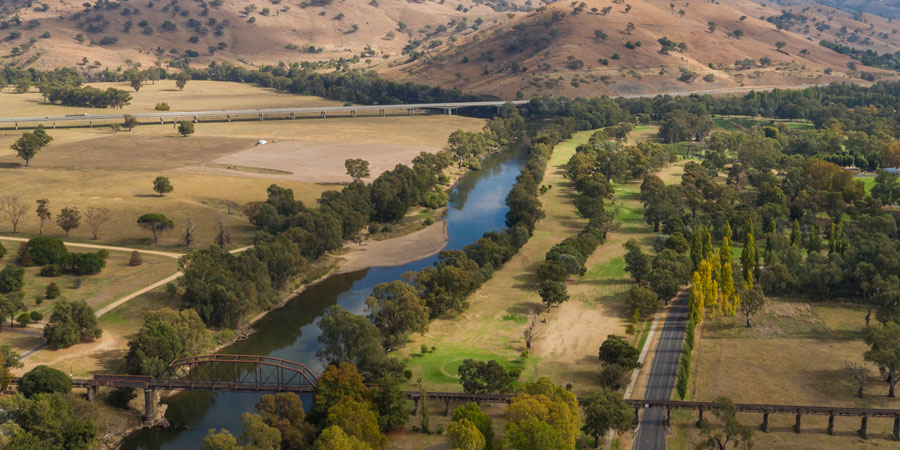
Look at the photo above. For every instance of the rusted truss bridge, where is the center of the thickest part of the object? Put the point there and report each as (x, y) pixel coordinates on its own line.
(265, 374)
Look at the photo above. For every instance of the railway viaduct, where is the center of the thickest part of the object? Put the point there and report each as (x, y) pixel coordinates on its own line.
(264, 374)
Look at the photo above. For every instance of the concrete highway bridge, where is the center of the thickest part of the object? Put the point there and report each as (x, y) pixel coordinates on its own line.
(265, 374)
(253, 114)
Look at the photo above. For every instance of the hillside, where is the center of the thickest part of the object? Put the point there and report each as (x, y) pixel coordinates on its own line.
(499, 47)
(109, 33)
(574, 50)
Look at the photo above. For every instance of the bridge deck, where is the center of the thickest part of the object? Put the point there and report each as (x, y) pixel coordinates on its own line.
(257, 112)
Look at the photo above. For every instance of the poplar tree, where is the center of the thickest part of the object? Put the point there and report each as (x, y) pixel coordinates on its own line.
(727, 284)
(725, 252)
(831, 240)
(796, 236)
(707, 242)
(695, 302)
(697, 248)
(706, 282)
(815, 239)
(749, 259)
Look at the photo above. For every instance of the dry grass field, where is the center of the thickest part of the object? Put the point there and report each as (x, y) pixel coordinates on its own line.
(86, 167)
(796, 353)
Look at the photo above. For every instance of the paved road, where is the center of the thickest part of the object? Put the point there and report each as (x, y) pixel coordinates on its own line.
(652, 430)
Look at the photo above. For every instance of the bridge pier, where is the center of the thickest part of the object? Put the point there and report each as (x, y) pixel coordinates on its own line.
(797, 423)
(161, 121)
(196, 119)
(863, 426)
(700, 419)
(668, 417)
(897, 428)
(90, 124)
(410, 111)
(260, 117)
(415, 409)
(54, 124)
(292, 116)
(382, 113)
(17, 125)
(637, 417)
(352, 113)
(151, 400)
(322, 115)
(228, 117)
(765, 425)
(831, 424)
(92, 393)
(446, 407)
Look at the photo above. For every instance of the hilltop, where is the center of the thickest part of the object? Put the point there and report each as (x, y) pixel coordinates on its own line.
(503, 48)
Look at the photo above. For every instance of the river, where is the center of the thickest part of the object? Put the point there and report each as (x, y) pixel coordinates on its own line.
(477, 205)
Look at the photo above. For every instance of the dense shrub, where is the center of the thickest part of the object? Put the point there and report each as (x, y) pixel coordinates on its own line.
(44, 379)
(47, 250)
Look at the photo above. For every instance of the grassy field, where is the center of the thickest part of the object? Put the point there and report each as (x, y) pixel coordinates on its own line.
(796, 353)
(86, 167)
(868, 182)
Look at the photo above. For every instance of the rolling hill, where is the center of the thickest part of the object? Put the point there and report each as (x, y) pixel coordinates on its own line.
(499, 47)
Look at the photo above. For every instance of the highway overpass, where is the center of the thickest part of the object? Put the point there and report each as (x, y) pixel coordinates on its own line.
(260, 114)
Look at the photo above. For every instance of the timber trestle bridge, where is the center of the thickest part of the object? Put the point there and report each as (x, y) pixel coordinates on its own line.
(265, 374)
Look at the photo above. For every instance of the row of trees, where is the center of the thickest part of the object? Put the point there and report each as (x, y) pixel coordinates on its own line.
(86, 96)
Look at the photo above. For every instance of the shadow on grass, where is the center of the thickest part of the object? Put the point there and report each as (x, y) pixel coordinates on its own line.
(525, 308)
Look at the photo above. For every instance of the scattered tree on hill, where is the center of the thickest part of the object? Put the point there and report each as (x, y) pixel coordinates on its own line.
(162, 185)
(711, 25)
(188, 234)
(43, 213)
(12, 278)
(737, 33)
(780, 45)
(181, 80)
(30, 143)
(185, 128)
(71, 323)
(157, 224)
(223, 232)
(14, 209)
(858, 372)
(884, 351)
(130, 122)
(604, 412)
(729, 432)
(68, 219)
(95, 217)
(357, 168)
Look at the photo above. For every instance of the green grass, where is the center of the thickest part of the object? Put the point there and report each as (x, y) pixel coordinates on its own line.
(439, 369)
(517, 318)
(868, 182)
(610, 270)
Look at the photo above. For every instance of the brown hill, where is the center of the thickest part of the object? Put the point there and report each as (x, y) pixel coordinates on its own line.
(573, 50)
(117, 33)
(500, 47)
